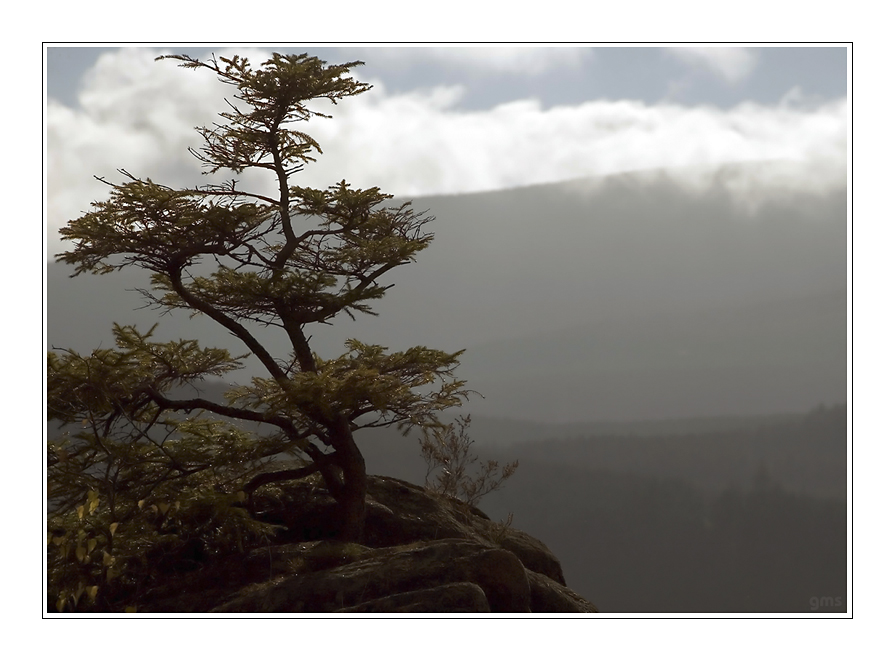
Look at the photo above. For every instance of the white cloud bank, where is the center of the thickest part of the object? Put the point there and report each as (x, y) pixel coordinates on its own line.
(139, 115)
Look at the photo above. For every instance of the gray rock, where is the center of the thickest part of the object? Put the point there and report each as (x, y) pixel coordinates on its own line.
(550, 597)
(420, 553)
(392, 570)
(460, 598)
(407, 512)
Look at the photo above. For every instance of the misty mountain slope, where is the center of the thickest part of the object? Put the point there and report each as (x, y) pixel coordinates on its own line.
(806, 453)
(632, 296)
(751, 518)
(543, 258)
(778, 356)
(632, 543)
(791, 332)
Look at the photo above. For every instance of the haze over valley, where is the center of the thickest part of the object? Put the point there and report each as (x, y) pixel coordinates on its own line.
(624, 298)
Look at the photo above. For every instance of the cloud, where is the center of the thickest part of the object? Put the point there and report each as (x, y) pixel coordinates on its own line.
(419, 144)
(729, 63)
(135, 114)
(138, 114)
(528, 60)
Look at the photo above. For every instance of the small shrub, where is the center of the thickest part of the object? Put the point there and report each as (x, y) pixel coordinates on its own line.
(449, 462)
(499, 532)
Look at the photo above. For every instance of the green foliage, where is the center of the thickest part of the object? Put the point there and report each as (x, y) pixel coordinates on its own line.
(125, 479)
(364, 381)
(447, 451)
(136, 475)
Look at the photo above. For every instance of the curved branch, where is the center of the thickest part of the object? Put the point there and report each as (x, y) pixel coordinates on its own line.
(237, 329)
(287, 474)
(212, 190)
(285, 424)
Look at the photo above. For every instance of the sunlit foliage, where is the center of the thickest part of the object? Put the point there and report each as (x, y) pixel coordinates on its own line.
(139, 474)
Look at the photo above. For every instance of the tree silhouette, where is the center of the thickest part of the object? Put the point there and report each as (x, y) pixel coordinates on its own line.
(289, 261)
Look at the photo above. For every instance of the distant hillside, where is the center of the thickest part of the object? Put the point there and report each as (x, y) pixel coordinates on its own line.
(748, 517)
(806, 456)
(619, 298)
(804, 453)
(502, 432)
(632, 543)
(783, 355)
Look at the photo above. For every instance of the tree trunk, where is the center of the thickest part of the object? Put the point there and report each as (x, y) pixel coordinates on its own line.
(354, 483)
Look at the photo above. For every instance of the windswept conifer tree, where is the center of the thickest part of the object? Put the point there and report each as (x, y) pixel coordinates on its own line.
(290, 261)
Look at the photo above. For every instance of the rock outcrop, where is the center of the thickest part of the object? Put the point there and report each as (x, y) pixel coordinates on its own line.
(420, 553)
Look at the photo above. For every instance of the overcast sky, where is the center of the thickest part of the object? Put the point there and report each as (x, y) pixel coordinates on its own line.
(459, 119)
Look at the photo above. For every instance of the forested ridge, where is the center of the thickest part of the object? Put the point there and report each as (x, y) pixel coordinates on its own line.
(747, 519)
